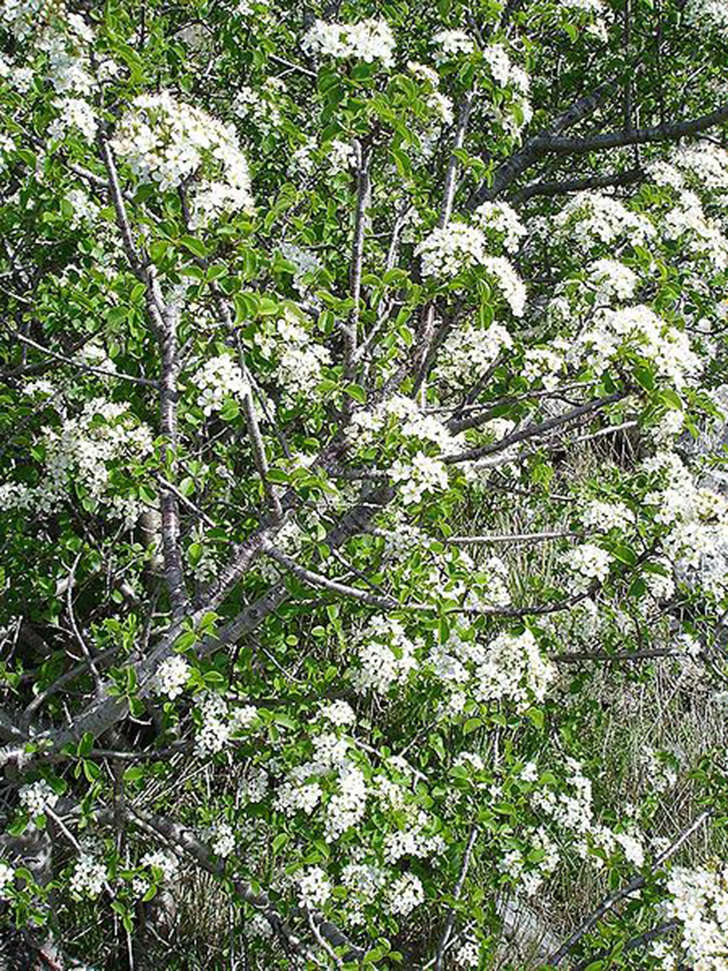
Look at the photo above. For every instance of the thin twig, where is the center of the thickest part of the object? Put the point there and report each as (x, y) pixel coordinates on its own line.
(450, 922)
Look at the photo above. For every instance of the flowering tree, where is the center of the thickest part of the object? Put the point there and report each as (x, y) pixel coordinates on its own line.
(362, 434)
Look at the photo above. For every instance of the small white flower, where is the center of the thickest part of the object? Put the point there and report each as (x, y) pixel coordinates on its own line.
(89, 877)
(172, 676)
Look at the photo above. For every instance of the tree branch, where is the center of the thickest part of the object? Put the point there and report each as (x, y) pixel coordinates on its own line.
(635, 884)
(556, 188)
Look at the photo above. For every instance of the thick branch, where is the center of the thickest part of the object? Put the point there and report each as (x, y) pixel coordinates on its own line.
(556, 188)
(635, 884)
(535, 430)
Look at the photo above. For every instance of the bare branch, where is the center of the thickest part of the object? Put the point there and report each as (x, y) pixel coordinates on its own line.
(450, 922)
(556, 188)
(635, 884)
(363, 193)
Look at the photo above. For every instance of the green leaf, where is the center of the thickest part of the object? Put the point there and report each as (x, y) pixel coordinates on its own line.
(644, 377)
(402, 163)
(671, 399)
(356, 392)
(185, 641)
(91, 770)
(471, 725)
(230, 410)
(624, 554)
(195, 246)
(280, 841)
(86, 743)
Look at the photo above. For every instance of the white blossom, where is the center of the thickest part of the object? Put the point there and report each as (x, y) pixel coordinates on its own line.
(36, 797)
(386, 655)
(339, 713)
(699, 901)
(502, 220)
(218, 379)
(166, 142)
(314, 888)
(7, 877)
(172, 675)
(89, 876)
(223, 840)
(591, 217)
(405, 895)
(512, 667)
(73, 113)
(450, 43)
(367, 40)
(448, 250)
(587, 563)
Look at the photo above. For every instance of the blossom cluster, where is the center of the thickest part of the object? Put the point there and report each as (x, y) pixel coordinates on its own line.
(261, 105)
(172, 676)
(219, 723)
(63, 37)
(298, 358)
(412, 839)
(155, 866)
(610, 280)
(468, 352)
(255, 785)
(419, 476)
(364, 882)
(411, 422)
(592, 218)
(218, 380)
(586, 565)
(502, 221)
(699, 901)
(338, 713)
(595, 10)
(513, 668)
(36, 797)
(448, 250)
(169, 143)
(503, 70)
(440, 104)
(638, 329)
(545, 364)
(73, 114)
(386, 655)
(367, 40)
(696, 518)
(89, 876)
(509, 668)
(604, 516)
(84, 208)
(528, 870)
(452, 42)
(82, 451)
(702, 235)
(405, 895)
(703, 163)
(314, 889)
(223, 840)
(571, 808)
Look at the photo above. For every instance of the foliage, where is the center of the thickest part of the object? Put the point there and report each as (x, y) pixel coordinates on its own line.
(362, 411)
